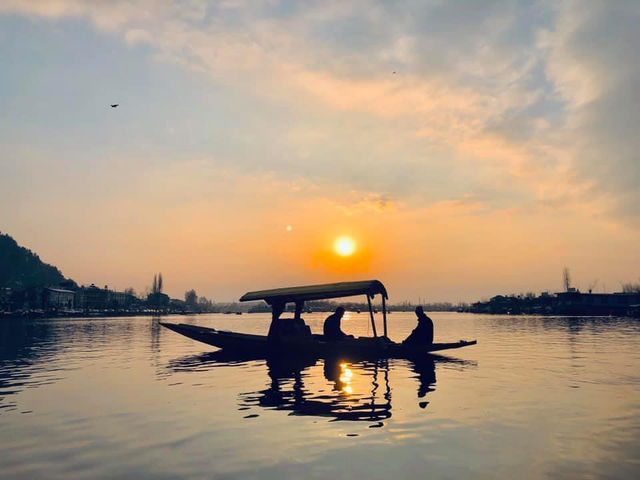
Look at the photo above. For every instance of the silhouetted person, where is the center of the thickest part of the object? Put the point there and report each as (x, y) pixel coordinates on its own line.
(286, 328)
(331, 327)
(274, 329)
(423, 333)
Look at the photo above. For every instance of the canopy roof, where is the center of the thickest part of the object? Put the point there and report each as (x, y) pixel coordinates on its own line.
(317, 292)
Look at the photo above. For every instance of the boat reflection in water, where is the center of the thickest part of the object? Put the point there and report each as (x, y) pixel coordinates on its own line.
(351, 390)
(287, 391)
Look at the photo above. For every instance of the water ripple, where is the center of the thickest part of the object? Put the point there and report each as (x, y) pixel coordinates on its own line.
(123, 398)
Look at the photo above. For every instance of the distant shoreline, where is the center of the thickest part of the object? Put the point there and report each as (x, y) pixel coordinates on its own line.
(72, 315)
(45, 315)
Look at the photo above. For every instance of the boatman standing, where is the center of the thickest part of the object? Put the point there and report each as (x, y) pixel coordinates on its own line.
(423, 333)
(331, 327)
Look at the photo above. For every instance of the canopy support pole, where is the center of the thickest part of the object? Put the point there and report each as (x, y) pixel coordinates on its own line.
(373, 322)
(384, 315)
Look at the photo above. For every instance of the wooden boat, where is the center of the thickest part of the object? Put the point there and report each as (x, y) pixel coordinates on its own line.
(313, 346)
(294, 336)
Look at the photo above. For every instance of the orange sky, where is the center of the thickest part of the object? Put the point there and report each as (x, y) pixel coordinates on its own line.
(467, 153)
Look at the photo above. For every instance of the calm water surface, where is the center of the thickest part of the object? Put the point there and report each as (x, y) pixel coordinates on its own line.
(125, 398)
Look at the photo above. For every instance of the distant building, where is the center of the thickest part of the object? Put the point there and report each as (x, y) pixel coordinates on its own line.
(176, 305)
(158, 301)
(91, 298)
(119, 300)
(575, 303)
(571, 302)
(58, 299)
(94, 298)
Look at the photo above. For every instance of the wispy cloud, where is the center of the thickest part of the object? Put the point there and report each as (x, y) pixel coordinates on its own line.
(495, 84)
(508, 111)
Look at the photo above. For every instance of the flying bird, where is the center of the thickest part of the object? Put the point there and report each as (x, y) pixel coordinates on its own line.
(114, 105)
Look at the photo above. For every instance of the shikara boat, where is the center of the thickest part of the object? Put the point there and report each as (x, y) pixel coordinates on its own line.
(296, 338)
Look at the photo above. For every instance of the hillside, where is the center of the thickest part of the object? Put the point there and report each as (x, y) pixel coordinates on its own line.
(20, 267)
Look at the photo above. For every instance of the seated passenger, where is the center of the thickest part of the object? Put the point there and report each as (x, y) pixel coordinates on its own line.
(423, 333)
(276, 323)
(286, 328)
(294, 327)
(331, 327)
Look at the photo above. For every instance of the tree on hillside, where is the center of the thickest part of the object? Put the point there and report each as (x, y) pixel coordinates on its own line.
(21, 268)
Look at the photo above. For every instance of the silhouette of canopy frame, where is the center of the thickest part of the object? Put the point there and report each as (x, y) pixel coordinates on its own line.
(299, 295)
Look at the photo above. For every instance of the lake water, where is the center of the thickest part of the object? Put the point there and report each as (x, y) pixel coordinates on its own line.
(126, 398)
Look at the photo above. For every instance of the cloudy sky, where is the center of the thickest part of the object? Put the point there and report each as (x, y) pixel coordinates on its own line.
(468, 148)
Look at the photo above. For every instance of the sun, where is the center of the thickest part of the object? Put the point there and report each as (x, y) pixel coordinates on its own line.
(344, 246)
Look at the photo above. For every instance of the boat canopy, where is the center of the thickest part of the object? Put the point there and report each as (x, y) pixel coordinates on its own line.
(318, 292)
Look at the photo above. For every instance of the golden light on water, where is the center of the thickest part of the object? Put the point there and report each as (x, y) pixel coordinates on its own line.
(344, 246)
(345, 378)
(345, 373)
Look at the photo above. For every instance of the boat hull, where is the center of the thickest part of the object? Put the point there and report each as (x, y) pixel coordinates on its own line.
(314, 345)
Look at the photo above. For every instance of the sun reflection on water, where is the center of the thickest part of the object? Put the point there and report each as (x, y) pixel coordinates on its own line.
(345, 378)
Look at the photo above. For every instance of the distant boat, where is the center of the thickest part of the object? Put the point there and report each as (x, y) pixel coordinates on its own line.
(238, 313)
